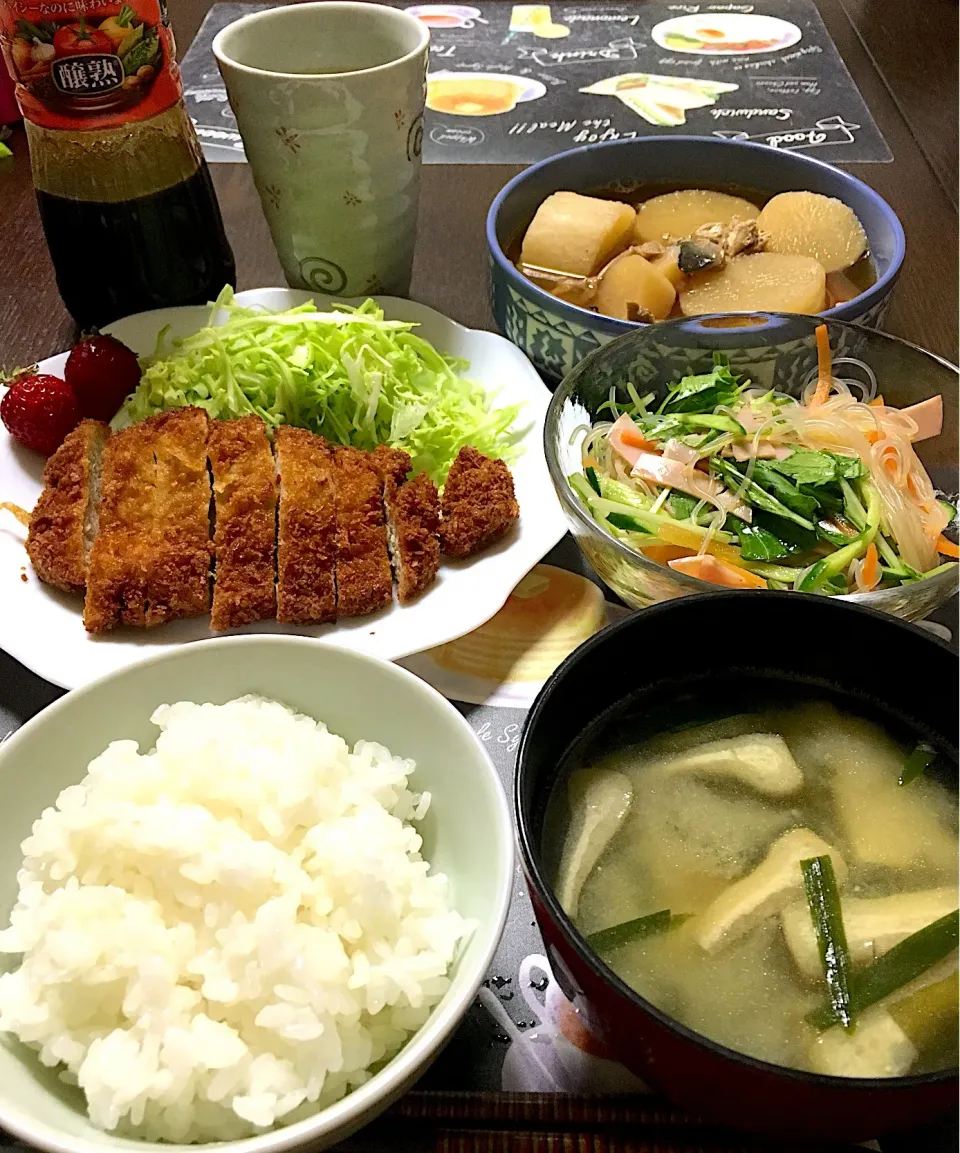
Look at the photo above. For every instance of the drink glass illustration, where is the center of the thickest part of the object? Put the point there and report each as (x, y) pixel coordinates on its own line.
(537, 19)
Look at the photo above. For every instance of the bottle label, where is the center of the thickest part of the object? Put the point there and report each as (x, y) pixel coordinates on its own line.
(82, 64)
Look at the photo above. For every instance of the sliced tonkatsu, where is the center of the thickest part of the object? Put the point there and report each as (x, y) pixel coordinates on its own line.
(413, 521)
(479, 503)
(124, 550)
(63, 524)
(392, 463)
(306, 528)
(245, 514)
(412, 512)
(364, 581)
(180, 515)
(179, 582)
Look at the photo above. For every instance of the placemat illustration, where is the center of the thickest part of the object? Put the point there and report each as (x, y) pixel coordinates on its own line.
(515, 83)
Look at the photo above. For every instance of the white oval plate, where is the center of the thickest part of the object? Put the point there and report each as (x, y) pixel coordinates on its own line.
(42, 628)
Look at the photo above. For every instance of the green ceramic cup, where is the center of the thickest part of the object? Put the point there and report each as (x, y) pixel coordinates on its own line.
(467, 834)
(329, 101)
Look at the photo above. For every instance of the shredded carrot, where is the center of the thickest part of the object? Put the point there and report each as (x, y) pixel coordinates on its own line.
(15, 510)
(890, 462)
(947, 547)
(877, 402)
(636, 440)
(870, 572)
(719, 572)
(824, 371)
(591, 462)
(871, 436)
(913, 487)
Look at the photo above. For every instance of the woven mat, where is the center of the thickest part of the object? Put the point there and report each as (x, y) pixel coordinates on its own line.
(555, 1123)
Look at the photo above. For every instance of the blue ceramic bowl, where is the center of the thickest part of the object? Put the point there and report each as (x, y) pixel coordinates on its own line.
(556, 335)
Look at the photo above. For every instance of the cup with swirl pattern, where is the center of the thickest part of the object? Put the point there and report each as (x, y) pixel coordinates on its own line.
(329, 101)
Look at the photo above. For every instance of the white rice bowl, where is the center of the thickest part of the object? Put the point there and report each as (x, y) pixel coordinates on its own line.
(230, 931)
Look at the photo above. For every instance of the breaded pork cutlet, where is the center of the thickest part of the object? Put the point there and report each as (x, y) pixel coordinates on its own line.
(245, 510)
(179, 580)
(124, 548)
(391, 462)
(364, 583)
(479, 504)
(412, 511)
(63, 524)
(306, 528)
(413, 521)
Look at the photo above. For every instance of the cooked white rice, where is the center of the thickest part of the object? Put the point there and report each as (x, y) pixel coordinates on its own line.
(230, 930)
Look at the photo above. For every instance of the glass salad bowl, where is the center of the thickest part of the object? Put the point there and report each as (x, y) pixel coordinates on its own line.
(775, 351)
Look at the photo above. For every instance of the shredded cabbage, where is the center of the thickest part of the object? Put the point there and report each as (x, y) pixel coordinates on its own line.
(349, 374)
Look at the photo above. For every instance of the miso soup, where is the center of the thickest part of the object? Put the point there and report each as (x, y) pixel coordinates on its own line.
(650, 252)
(682, 858)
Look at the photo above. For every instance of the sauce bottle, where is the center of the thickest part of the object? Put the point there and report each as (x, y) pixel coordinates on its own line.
(126, 200)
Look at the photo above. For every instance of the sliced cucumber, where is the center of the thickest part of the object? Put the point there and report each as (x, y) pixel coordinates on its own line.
(621, 493)
(627, 523)
(713, 420)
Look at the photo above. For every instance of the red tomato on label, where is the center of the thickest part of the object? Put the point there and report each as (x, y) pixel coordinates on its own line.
(79, 40)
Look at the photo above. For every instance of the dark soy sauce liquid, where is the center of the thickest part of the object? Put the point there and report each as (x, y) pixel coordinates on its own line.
(114, 259)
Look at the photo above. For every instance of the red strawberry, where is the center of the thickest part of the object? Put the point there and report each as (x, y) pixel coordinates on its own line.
(102, 373)
(39, 410)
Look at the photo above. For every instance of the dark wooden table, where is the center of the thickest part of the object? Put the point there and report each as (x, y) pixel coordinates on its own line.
(902, 55)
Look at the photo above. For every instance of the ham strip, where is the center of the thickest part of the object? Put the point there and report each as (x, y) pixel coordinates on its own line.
(628, 452)
(766, 450)
(674, 474)
(677, 450)
(927, 415)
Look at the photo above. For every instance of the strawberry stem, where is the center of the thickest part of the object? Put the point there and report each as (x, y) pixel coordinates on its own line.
(7, 377)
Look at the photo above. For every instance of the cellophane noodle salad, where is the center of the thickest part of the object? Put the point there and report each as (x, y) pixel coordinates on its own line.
(751, 488)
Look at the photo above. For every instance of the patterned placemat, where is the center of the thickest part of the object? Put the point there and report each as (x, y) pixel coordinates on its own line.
(517, 83)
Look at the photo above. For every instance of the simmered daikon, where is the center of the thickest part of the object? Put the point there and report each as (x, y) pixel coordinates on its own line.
(719, 252)
(631, 287)
(807, 224)
(576, 234)
(668, 264)
(762, 282)
(677, 215)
